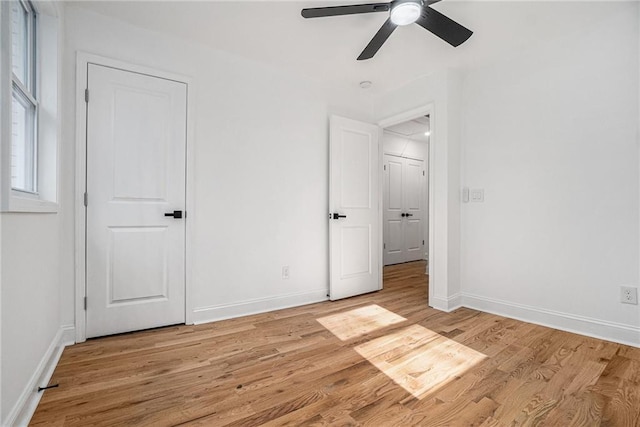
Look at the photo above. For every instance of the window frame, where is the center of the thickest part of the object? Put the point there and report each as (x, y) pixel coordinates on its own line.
(42, 91)
(28, 91)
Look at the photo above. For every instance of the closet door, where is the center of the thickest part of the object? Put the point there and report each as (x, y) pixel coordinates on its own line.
(393, 251)
(136, 148)
(403, 213)
(413, 197)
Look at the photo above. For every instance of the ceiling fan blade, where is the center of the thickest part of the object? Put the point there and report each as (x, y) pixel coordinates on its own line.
(443, 27)
(319, 12)
(378, 40)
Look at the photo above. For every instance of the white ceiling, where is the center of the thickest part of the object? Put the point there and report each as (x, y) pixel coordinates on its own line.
(326, 48)
(415, 129)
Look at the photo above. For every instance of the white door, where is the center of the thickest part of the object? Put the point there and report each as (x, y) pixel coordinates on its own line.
(404, 193)
(393, 247)
(136, 144)
(355, 208)
(414, 193)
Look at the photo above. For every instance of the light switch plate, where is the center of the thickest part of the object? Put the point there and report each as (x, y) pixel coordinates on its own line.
(465, 195)
(477, 195)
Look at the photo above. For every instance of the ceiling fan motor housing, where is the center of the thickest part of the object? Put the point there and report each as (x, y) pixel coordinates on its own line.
(405, 12)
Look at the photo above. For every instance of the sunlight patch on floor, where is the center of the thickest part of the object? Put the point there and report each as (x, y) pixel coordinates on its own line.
(360, 321)
(418, 359)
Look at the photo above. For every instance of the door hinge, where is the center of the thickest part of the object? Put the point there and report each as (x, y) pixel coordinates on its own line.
(86, 96)
(422, 173)
(385, 167)
(86, 199)
(423, 243)
(384, 246)
(85, 303)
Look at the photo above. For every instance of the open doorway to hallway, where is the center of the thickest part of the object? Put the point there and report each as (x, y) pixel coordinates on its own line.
(405, 196)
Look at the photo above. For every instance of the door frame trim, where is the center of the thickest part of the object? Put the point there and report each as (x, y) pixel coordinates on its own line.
(83, 59)
(428, 109)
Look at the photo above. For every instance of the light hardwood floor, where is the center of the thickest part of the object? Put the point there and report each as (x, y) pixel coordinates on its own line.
(382, 359)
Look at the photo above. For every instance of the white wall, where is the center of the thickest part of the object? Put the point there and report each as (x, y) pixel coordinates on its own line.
(550, 133)
(261, 167)
(30, 297)
(29, 274)
(4, 70)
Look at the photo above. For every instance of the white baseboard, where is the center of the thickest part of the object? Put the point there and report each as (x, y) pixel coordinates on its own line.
(596, 328)
(446, 304)
(261, 305)
(23, 410)
(68, 335)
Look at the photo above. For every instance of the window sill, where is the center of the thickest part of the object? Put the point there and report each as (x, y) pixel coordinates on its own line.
(26, 204)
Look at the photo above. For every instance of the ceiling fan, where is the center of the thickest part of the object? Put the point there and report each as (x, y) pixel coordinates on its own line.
(401, 12)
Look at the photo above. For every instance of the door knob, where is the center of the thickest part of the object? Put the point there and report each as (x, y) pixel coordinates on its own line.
(336, 216)
(175, 214)
(408, 215)
(403, 214)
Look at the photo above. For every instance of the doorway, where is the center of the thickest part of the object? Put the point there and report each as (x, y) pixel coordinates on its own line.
(405, 191)
(131, 182)
(356, 237)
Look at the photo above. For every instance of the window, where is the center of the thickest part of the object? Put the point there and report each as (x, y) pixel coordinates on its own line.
(29, 105)
(24, 103)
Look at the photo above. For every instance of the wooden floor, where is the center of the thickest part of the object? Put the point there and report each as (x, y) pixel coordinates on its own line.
(383, 359)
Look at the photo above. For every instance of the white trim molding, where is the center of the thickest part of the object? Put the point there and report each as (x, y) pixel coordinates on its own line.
(447, 305)
(25, 407)
(596, 328)
(256, 306)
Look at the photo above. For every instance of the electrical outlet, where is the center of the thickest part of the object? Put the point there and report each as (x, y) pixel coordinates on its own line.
(285, 272)
(628, 295)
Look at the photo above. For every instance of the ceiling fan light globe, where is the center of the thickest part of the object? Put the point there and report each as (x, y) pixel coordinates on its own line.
(406, 13)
